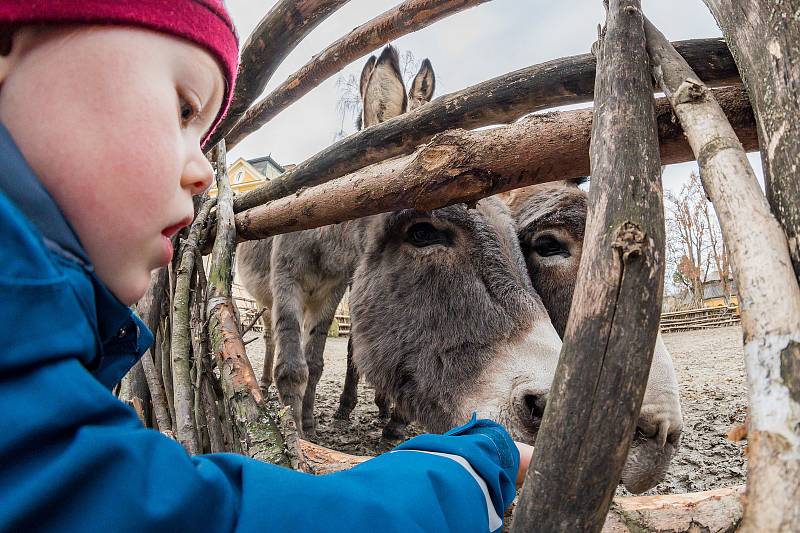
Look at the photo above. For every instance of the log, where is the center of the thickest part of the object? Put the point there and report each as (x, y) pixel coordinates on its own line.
(320, 460)
(460, 166)
(599, 384)
(279, 32)
(768, 294)
(764, 37)
(717, 510)
(256, 429)
(181, 341)
(408, 17)
(501, 100)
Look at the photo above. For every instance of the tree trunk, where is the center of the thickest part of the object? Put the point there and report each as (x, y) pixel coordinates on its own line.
(181, 343)
(765, 40)
(602, 373)
(278, 33)
(768, 293)
(408, 17)
(465, 166)
(501, 100)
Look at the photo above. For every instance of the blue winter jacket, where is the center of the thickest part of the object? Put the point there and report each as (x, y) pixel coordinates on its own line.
(74, 458)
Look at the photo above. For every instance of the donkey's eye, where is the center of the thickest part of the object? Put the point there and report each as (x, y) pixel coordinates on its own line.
(424, 234)
(548, 246)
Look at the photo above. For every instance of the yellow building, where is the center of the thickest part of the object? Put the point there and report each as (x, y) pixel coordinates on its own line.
(246, 175)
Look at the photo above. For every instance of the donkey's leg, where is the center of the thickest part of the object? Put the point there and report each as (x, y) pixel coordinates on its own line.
(269, 351)
(384, 405)
(291, 370)
(395, 430)
(317, 323)
(349, 397)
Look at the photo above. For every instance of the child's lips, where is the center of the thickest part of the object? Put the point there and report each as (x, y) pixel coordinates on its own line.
(170, 231)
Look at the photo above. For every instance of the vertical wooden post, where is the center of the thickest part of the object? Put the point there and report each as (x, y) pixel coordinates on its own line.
(601, 377)
(764, 37)
(259, 432)
(768, 293)
(181, 342)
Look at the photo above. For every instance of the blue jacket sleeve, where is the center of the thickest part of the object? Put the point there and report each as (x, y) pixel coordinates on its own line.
(76, 459)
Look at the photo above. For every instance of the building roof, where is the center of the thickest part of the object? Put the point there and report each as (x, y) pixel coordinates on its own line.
(261, 164)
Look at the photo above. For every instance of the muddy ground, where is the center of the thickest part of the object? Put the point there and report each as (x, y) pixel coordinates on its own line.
(710, 370)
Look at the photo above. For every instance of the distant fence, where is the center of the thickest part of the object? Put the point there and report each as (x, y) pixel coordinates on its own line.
(344, 324)
(703, 318)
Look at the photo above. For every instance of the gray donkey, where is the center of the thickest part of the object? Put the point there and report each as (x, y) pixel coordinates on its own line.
(447, 322)
(302, 276)
(550, 221)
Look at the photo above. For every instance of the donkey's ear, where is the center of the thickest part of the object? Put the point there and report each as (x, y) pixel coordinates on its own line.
(423, 85)
(366, 72)
(384, 95)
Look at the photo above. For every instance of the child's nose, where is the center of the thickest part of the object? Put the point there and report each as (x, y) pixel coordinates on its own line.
(197, 175)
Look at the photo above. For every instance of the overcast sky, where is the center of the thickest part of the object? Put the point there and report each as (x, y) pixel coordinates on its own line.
(469, 47)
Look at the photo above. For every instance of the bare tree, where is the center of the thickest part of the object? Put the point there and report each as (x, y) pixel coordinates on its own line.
(695, 245)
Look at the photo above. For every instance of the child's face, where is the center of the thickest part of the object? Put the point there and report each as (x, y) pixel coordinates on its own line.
(108, 119)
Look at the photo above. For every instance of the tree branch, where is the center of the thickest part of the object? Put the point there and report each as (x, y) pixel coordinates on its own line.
(601, 376)
(278, 33)
(408, 17)
(501, 100)
(769, 294)
(465, 166)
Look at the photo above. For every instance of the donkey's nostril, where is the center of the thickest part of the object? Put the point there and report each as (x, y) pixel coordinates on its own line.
(662, 433)
(535, 403)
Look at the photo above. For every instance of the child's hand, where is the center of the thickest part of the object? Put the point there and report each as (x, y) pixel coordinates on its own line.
(525, 455)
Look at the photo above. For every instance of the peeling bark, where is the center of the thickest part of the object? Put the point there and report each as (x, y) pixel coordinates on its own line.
(601, 376)
(257, 430)
(768, 293)
(465, 166)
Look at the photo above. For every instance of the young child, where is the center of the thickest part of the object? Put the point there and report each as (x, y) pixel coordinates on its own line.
(104, 106)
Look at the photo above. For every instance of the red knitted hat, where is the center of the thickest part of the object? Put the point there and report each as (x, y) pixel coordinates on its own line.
(204, 22)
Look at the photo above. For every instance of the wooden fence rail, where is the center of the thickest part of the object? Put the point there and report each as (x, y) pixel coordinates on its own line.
(704, 318)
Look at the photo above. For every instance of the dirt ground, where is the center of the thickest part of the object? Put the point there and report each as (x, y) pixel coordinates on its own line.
(713, 396)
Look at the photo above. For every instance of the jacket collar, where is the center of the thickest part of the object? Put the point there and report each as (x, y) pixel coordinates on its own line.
(21, 185)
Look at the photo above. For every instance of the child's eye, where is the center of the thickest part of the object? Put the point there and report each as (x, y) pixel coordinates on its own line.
(188, 111)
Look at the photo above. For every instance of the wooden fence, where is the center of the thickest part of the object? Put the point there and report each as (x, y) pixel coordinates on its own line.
(704, 318)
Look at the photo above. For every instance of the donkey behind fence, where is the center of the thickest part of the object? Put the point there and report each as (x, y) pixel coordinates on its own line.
(302, 276)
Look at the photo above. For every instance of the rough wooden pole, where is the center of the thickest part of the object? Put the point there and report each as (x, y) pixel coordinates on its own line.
(501, 100)
(256, 429)
(768, 294)
(408, 17)
(600, 380)
(460, 166)
(181, 342)
(284, 26)
(149, 309)
(765, 40)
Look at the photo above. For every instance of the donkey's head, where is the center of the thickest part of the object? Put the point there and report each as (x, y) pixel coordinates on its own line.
(446, 321)
(383, 93)
(550, 224)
